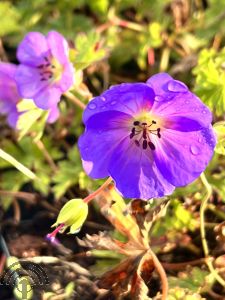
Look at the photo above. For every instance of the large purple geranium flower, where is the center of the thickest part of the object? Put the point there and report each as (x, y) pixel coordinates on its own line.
(9, 95)
(45, 71)
(149, 137)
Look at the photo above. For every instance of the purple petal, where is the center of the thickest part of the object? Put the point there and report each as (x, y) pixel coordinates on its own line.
(8, 88)
(103, 133)
(33, 49)
(159, 83)
(53, 114)
(181, 109)
(183, 112)
(130, 98)
(135, 173)
(47, 98)
(59, 46)
(13, 118)
(29, 81)
(182, 156)
(67, 78)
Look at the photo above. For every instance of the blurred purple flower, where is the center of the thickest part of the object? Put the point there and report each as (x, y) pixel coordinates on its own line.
(149, 137)
(45, 71)
(9, 95)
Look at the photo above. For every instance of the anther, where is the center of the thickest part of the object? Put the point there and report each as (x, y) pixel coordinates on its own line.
(144, 123)
(40, 66)
(153, 122)
(136, 123)
(158, 133)
(137, 143)
(144, 144)
(151, 145)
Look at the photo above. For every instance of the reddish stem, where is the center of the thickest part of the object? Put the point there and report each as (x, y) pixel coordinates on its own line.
(92, 196)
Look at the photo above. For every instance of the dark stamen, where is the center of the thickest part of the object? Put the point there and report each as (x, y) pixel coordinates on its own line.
(153, 122)
(143, 123)
(137, 143)
(136, 123)
(144, 144)
(40, 66)
(151, 145)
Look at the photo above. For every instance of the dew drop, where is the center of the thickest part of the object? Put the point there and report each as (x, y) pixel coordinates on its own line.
(92, 106)
(102, 98)
(200, 140)
(113, 102)
(176, 86)
(187, 102)
(194, 150)
(159, 98)
(204, 111)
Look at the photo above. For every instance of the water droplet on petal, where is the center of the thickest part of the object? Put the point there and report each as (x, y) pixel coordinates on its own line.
(92, 105)
(204, 111)
(102, 98)
(194, 150)
(187, 102)
(200, 140)
(113, 102)
(159, 98)
(176, 86)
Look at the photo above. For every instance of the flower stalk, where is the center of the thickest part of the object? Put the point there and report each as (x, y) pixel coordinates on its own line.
(209, 260)
(98, 191)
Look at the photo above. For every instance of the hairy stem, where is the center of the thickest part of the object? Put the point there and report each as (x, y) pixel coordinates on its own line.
(75, 100)
(209, 261)
(162, 274)
(94, 194)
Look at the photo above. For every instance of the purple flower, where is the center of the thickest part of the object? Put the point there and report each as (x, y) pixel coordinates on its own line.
(9, 95)
(149, 137)
(45, 71)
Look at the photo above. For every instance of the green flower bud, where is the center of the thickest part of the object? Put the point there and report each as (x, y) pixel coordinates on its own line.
(73, 214)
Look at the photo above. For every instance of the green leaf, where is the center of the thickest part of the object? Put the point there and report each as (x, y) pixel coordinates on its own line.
(191, 281)
(68, 173)
(219, 128)
(9, 17)
(210, 78)
(87, 51)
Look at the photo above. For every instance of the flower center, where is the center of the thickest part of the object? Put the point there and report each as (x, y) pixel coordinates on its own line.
(142, 131)
(50, 69)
